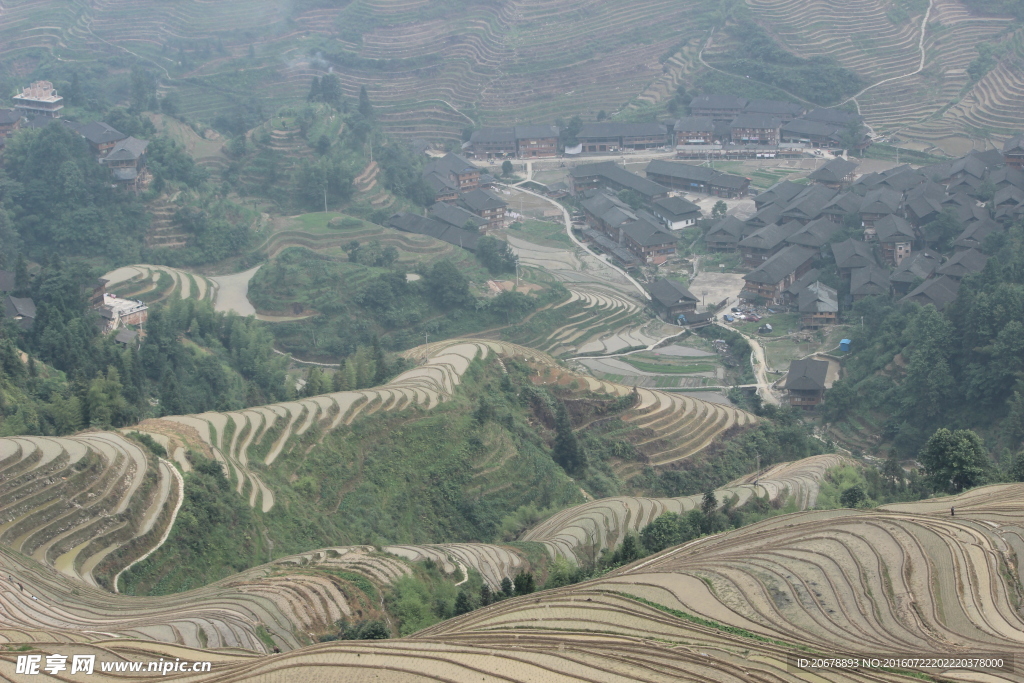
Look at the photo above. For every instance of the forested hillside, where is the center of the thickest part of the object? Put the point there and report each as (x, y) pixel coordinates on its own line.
(962, 367)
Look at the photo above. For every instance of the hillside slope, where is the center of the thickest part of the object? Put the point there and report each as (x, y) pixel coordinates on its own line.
(737, 606)
(310, 591)
(128, 495)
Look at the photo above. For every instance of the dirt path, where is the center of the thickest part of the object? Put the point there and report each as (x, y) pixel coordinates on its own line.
(760, 366)
(568, 230)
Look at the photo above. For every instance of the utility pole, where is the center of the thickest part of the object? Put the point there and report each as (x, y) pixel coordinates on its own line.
(325, 189)
(757, 475)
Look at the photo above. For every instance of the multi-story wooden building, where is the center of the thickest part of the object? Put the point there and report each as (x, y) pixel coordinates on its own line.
(896, 237)
(645, 237)
(533, 142)
(613, 137)
(486, 205)
(805, 383)
(670, 299)
(1013, 152)
(755, 129)
(492, 143)
(682, 176)
(718, 107)
(768, 281)
(694, 130)
(609, 174)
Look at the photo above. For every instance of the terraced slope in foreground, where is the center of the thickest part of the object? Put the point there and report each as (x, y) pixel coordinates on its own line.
(309, 592)
(907, 579)
(92, 504)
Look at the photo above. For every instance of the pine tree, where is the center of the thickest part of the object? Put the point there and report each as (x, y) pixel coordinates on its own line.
(709, 503)
(524, 583)
(365, 108)
(567, 450)
(507, 589)
(316, 93)
(462, 603)
(485, 595)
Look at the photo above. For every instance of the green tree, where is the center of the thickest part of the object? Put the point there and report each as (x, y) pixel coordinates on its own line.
(567, 449)
(448, 286)
(486, 597)
(506, 168)
(665, 531)
(463, 603)
(954, 460)
(719, 210)
(709, 503)
(507, 588)
(316, 93)
(365, 108)
(524, 583)
(852, 497)
(629, 551)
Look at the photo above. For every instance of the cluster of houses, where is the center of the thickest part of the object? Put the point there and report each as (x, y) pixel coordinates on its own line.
(648, 235)
(718, 126)
(465, 207)
(114, 313)
(797, 227)
(39, 105)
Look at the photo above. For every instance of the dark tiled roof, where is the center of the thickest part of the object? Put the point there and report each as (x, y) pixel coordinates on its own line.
(818, 298)
(918, 266)
(479, 200)
(128, 149)
(939, 292)
(425, 226)
(815, 234)
(26, 308)
(6, 281)
(126, 336)
(834, 171)
(535, 131)
(616, 130)
(782, 191)
(729, 229)
(762, 121)
(99, 133)
(852, 254)
(677, 207)
(804, 280)
(782, 264)
(964, 263)
(841, 204)
(700, 174)
(616, 174)
(449, 164)
(668, 293)
(454, 215)
(806, 127)
(892, 228)
(1014, 144)
(881, 201)
(9, 117)
(975, 233)
(647, 232)
(807, 375)
(493, 135)
(770, 236)
(869, 281)
(695, 124)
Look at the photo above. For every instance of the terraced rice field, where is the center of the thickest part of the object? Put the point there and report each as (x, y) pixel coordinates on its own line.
(127, 498)
(154, 283)
(303, 593)
(904, 579)
(604, 313)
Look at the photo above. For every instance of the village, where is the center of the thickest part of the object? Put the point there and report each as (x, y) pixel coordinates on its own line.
(647, 198)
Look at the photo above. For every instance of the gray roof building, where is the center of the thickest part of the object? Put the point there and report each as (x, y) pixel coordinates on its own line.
(892, 228)
(918, 266)
(612, 173)
(612, 129)
(6, 281)
(694, 124)
(963, 263)
(776, 108)
(780, 266)
(869, 281)
(853, 254)
(421, 225)
(818, 298)
(670, 293)
(769, 237)
(456, 216)
(99, 133)
(128, 149)
(836, 171)
(807, 375)
(938, 291)
(815, 234)
(481, 200)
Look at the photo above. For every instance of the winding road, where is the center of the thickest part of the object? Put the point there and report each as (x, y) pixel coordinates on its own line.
(759, 364)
